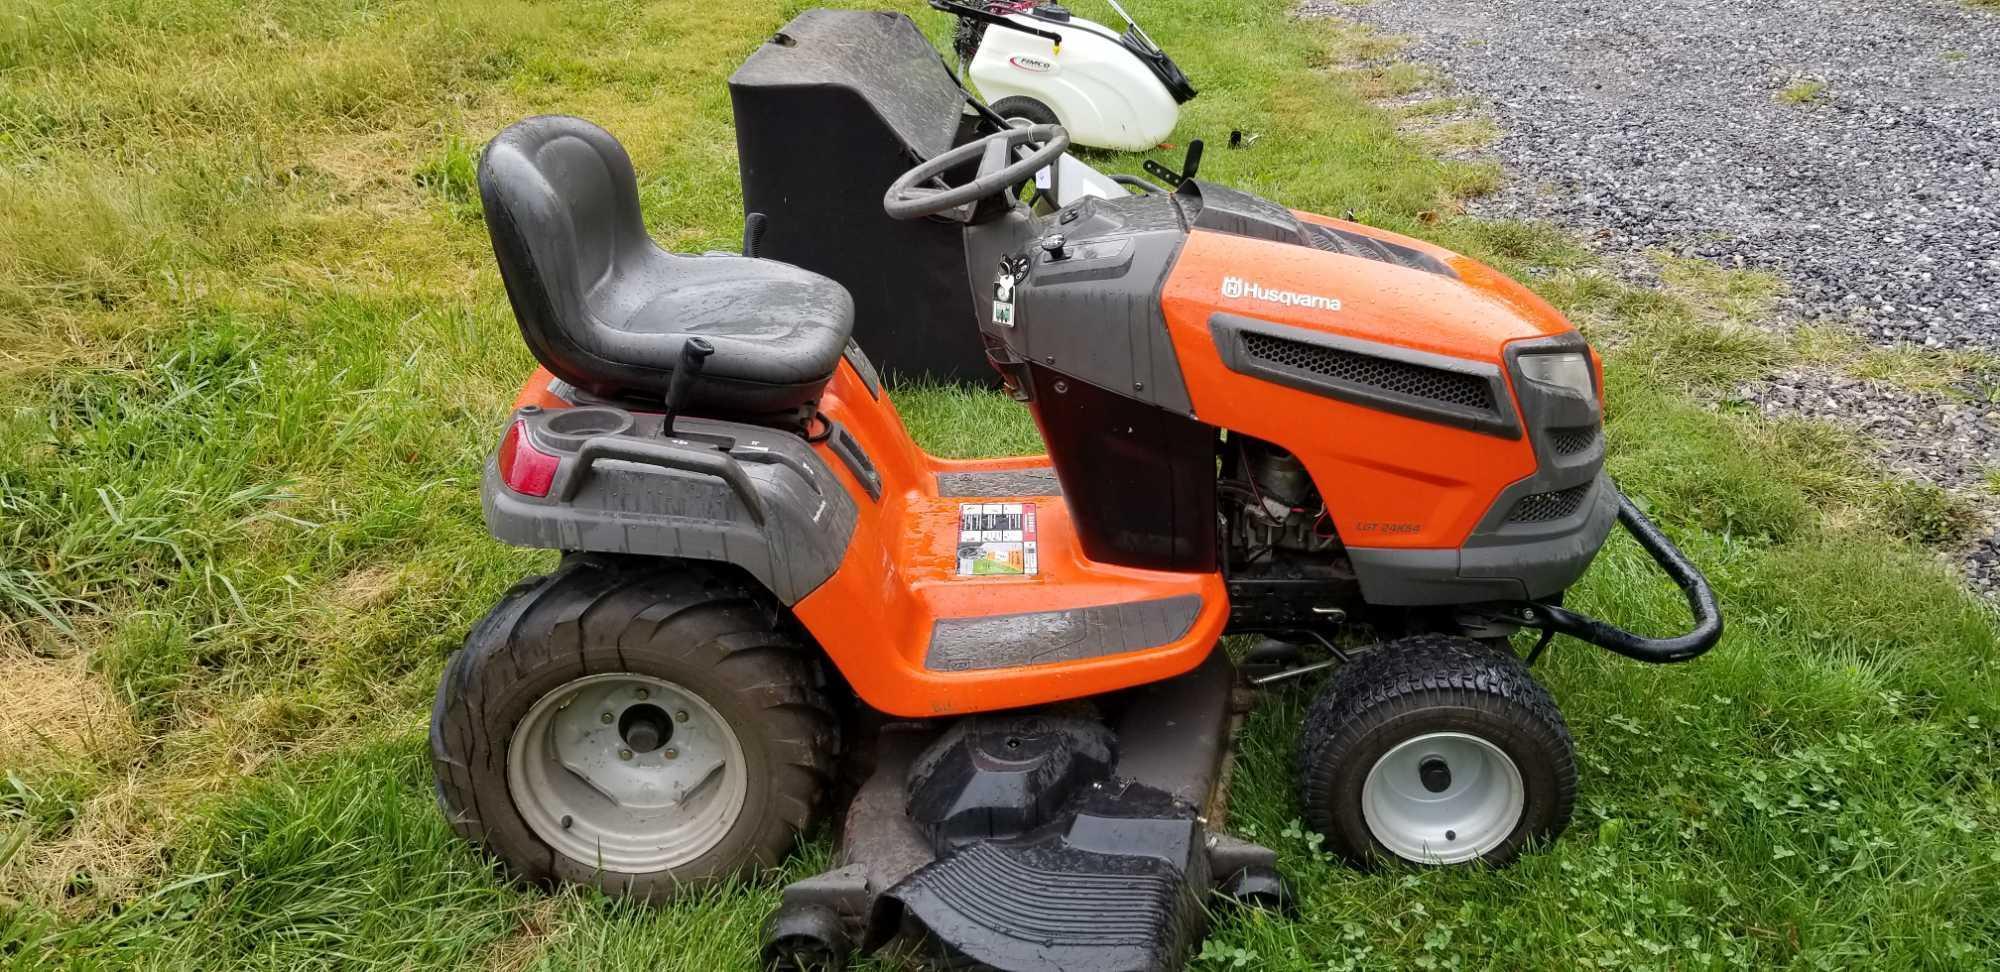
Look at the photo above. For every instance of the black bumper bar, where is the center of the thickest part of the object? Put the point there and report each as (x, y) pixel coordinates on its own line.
(1553, 619)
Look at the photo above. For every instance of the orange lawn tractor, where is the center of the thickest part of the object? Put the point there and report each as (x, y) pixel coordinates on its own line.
(1381, 457)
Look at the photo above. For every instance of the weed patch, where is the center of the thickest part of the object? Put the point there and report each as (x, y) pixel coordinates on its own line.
(452, 177)
(1803, 91)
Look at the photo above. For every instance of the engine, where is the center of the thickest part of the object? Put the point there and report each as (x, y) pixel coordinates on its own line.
(1271, 506)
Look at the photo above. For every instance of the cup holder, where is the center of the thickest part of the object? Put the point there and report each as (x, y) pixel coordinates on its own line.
(569, 427)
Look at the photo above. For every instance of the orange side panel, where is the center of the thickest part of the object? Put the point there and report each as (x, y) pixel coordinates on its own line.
(874, 616)
(1388, 480)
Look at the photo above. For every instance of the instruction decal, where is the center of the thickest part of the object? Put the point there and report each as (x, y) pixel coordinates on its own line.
(997, 538)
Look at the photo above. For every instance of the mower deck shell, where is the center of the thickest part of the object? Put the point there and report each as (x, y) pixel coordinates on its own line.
(1119, 878)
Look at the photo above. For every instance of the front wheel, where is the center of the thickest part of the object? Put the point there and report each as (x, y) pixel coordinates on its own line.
(1435, 750)
(638, 726)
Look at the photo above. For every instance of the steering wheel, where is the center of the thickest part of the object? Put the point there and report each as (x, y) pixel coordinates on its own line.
(906, 199)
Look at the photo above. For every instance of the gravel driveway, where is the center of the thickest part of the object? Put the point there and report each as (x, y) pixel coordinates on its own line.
(1852, 147)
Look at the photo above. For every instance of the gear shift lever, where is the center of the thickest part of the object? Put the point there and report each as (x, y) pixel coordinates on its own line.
(694, 357)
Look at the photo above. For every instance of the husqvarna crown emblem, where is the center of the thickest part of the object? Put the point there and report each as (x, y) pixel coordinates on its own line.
(1237, 288)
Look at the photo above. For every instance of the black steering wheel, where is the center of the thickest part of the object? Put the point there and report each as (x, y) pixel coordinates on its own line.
(906, 199)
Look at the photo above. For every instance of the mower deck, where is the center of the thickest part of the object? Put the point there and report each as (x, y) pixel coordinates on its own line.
(1061, 840)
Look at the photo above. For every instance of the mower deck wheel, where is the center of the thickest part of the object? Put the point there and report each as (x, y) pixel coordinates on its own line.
(641, 726)
(810, 938)
(1435, 750)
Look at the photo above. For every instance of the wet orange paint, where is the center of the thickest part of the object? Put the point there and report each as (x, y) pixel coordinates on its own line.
(1388, 480)
(874, 616)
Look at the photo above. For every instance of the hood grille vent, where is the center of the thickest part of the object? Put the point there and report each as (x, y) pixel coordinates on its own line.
(1381, 374)
(1570, 441)
(1543, 507)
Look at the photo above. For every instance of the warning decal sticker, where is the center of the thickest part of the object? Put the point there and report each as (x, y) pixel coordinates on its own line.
(997, 538)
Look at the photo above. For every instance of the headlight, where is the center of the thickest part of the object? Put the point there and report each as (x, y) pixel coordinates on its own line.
(1569, 370)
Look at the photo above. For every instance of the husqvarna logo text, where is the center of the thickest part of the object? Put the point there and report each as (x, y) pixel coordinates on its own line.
(1237, 288)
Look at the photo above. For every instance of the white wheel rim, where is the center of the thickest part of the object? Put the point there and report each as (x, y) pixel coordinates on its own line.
(1443, 798)
(585, 781)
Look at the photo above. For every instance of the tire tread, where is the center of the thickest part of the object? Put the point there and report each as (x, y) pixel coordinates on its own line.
(594, 604)
(1411, 674)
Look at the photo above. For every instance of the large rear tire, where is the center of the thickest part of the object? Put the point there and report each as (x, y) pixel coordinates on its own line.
(640, 726)
(1435, 750)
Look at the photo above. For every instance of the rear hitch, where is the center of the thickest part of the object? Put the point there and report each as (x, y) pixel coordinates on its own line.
(1554, 619)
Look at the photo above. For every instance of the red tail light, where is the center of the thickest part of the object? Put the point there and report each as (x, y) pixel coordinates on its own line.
(522, 468)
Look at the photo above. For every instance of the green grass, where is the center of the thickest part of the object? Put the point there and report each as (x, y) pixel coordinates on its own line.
(1803, 91)
(254, 352)
(1952, 373)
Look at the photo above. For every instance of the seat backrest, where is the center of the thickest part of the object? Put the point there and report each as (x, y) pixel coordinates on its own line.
(562, 207)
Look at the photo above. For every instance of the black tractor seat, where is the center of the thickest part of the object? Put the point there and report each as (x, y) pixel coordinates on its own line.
(606, 310)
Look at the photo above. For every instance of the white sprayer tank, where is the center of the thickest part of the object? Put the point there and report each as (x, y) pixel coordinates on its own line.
(1103, 94)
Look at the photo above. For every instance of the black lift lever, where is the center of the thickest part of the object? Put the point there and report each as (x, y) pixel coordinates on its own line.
(694, 357)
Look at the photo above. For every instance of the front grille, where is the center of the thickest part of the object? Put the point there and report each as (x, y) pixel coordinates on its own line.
(1367, 247)
(1570, 441)
(1543, 507)
(1381, 374)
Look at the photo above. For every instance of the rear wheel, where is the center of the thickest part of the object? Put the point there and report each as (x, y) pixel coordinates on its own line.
(638, 726)
(1435, 750)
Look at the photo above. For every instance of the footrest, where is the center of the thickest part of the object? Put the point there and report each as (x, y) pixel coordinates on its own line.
(1042, 637)
(1050, 907)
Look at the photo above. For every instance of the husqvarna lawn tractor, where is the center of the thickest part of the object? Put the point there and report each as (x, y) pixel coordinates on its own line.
(1009, 671)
